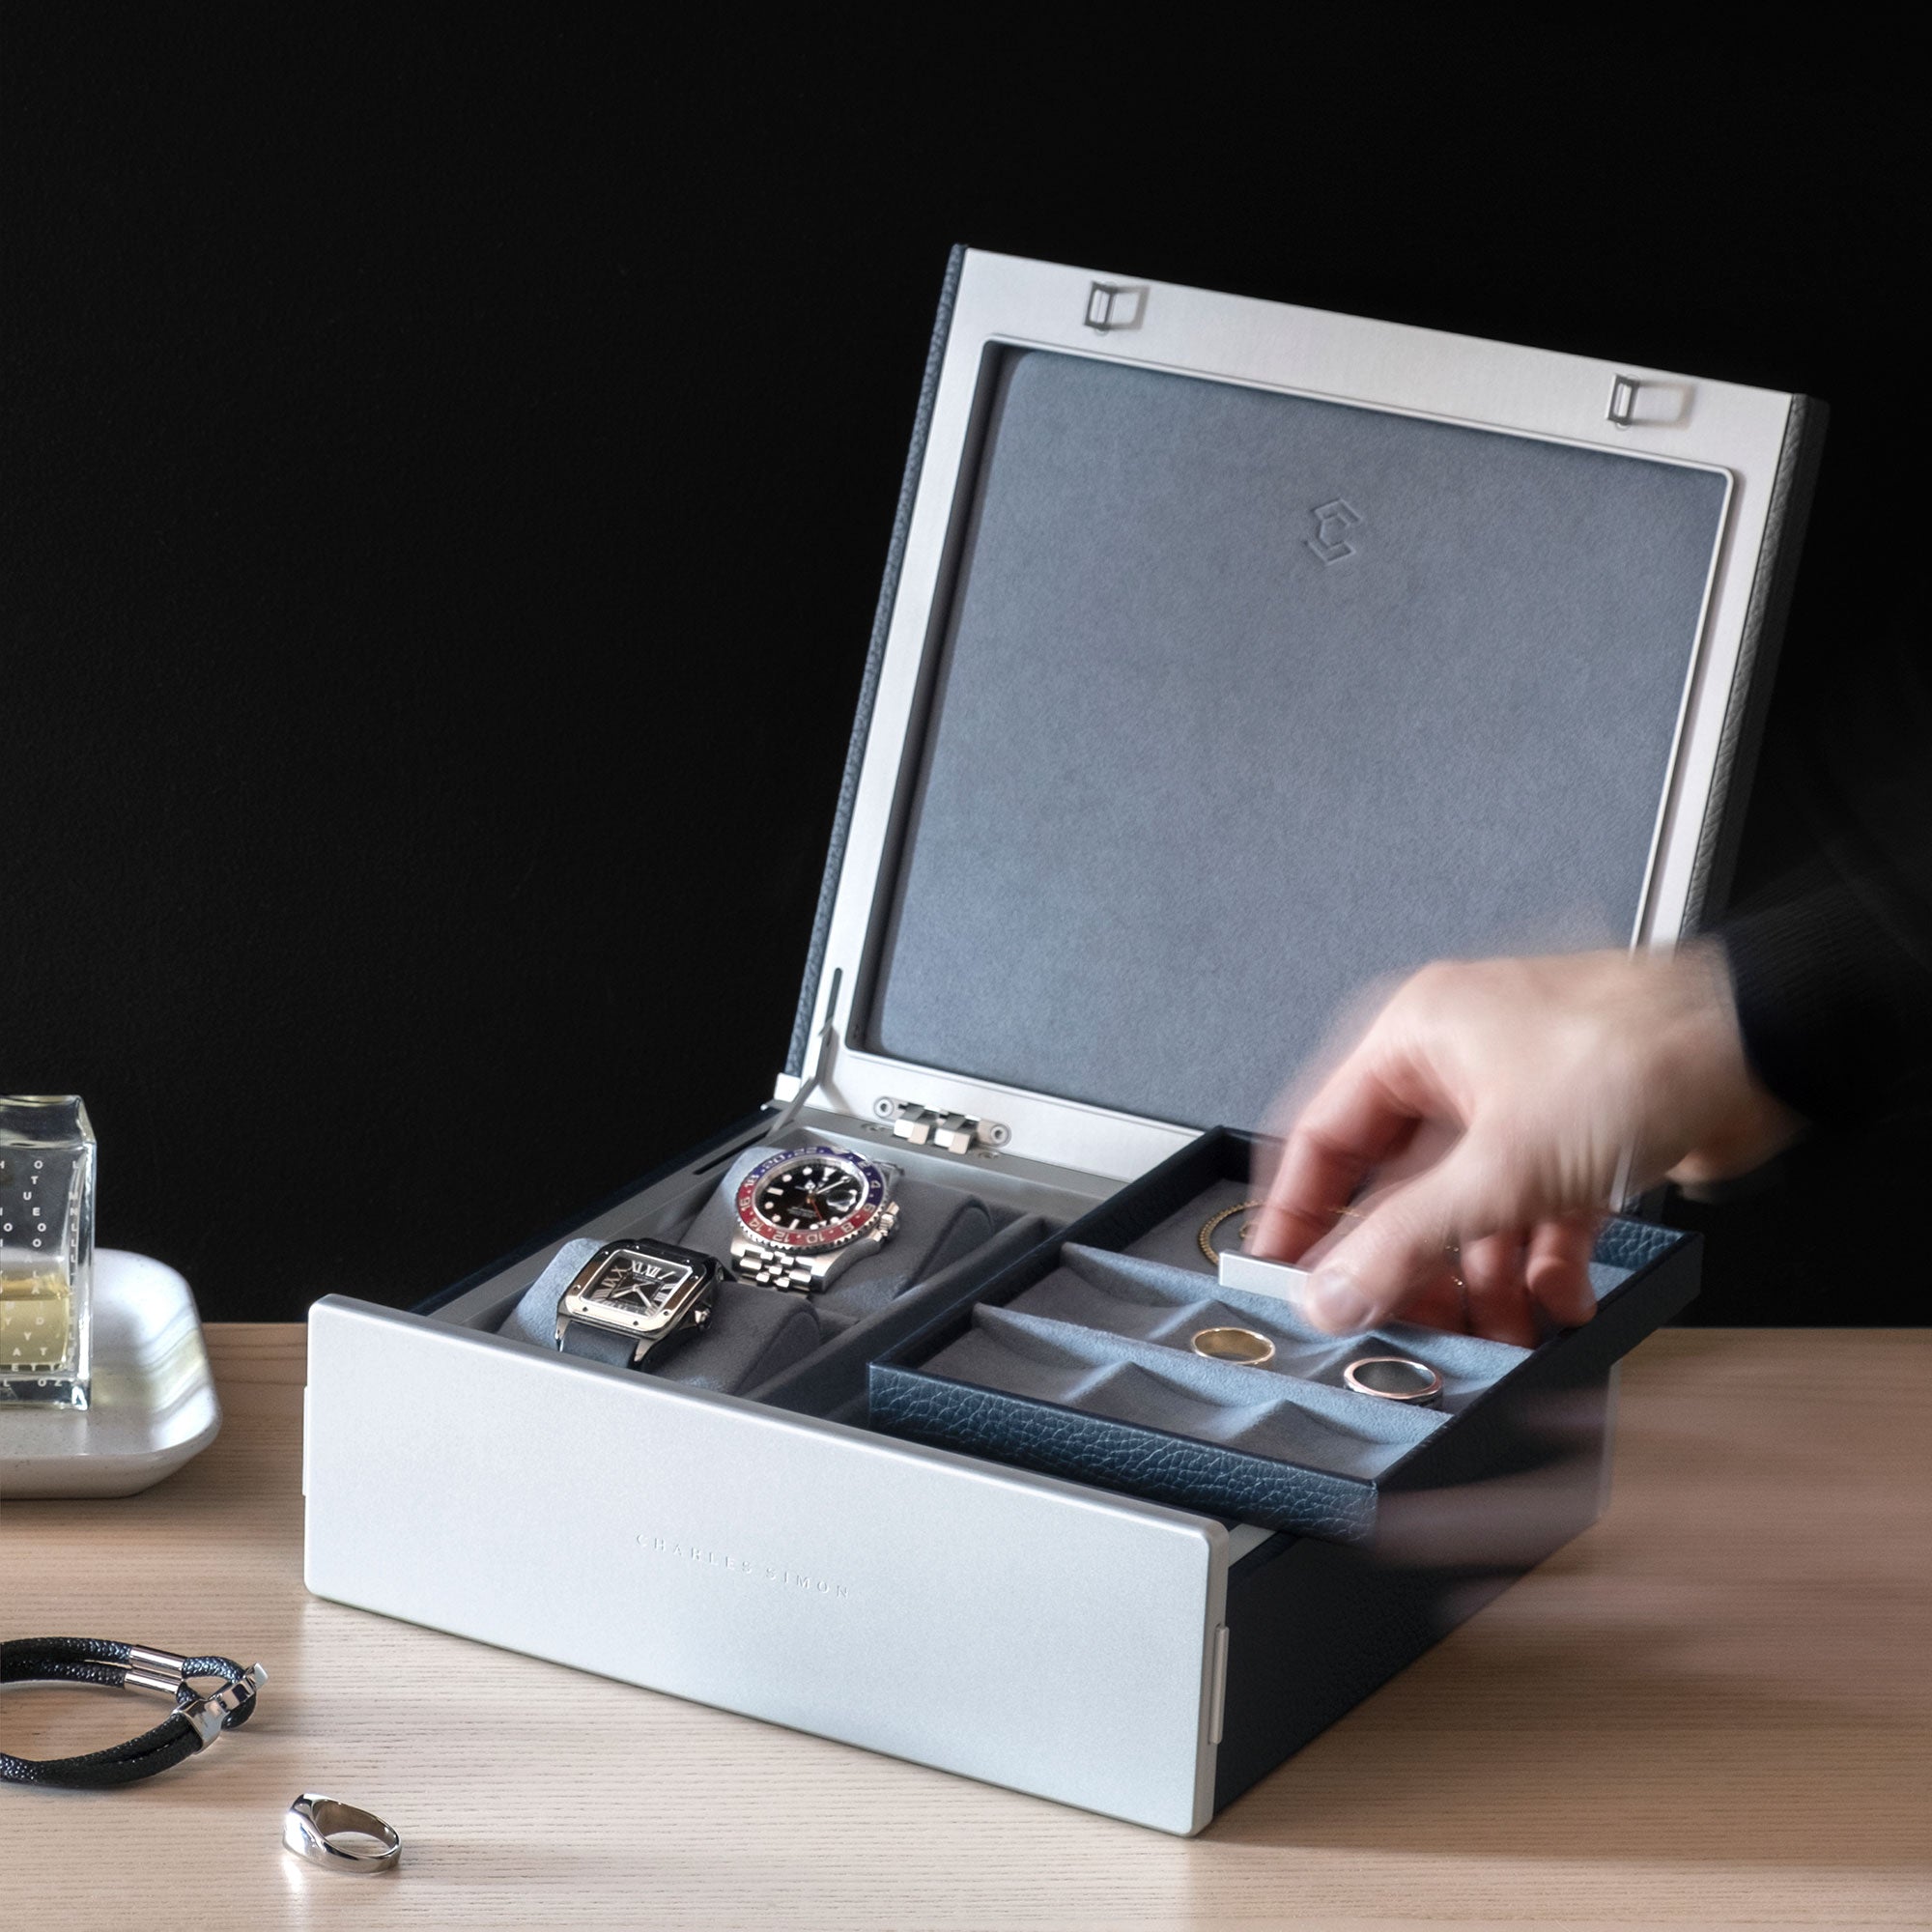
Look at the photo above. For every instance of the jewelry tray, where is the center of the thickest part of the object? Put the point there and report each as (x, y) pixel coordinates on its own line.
(1075, 1361)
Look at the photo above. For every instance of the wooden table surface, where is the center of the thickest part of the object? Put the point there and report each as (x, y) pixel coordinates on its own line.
(1714, 1710)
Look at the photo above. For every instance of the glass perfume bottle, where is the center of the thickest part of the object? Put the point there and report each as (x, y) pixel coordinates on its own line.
(46, 1248)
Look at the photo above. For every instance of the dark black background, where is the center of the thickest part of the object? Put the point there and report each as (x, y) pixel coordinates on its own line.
(448, 469)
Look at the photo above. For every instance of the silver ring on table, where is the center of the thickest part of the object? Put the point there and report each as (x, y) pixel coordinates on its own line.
(1394, 1378)
(313, 1823)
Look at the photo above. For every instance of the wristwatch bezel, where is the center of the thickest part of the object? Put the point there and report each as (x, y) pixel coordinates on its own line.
(639, 1324)
(766, 1233)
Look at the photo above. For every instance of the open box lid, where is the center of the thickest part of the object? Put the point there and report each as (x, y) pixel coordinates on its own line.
(1233, 655)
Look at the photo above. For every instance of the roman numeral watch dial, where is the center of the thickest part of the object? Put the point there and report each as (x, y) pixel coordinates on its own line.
(804, 1217)
(631, 1298)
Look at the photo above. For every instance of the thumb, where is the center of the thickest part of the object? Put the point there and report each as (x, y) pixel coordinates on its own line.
(1398, 1245)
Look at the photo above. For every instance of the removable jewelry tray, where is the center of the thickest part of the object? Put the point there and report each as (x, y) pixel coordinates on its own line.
(153, 1404)
(1075, 1361)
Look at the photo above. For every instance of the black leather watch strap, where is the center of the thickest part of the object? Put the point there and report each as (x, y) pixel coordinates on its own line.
(598, 1343)
(199, 1717)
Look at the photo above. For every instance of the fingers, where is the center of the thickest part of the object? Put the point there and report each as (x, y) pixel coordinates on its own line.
(1512, 1281)
(1397, 1246)
(1438, 1303)
(1499, 1305)
(1558, 1269)
(1516, 1165)
(1474, 1202)
(1350, 1127)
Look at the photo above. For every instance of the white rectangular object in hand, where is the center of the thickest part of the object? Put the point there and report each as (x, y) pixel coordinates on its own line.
(1254, 1276)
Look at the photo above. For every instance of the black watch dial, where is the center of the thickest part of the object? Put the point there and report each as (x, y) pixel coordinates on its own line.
(809, 1193)
(812, 1201)
(640, 1284)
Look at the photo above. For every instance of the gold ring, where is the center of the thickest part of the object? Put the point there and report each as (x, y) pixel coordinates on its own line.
(1232, 1345)
(1207, 1235)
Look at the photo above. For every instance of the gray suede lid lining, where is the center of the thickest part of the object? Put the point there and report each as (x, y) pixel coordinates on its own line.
(1248, 699)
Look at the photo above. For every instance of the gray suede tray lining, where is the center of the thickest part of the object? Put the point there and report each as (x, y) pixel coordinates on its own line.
(1109, 1334)
(1205, 755)
(757, 1333)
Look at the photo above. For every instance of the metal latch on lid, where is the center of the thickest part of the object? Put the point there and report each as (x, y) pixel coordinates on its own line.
(957, 1133)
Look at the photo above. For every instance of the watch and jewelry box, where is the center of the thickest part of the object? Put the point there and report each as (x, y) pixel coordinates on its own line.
(631, 1300)
(1172, 579)
(806, 1215)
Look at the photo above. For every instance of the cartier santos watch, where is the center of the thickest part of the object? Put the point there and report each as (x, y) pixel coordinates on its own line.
(631, 1298)
(805, 1215)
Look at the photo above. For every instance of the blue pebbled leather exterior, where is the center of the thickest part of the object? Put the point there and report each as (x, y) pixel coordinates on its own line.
(1115, 1455)
(1634, 1244)
(876, 657)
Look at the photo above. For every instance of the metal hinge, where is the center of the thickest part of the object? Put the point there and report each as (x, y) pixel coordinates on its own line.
(1649, 402)
(957, 1133)
(1110, 307)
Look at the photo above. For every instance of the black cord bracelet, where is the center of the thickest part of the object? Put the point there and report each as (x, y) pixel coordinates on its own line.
(199, 1717)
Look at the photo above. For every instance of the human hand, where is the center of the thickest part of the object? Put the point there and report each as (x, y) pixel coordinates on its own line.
(1498, 1103)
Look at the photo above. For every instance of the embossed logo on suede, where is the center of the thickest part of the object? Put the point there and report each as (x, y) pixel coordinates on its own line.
(1332, 524)
(741, 1566)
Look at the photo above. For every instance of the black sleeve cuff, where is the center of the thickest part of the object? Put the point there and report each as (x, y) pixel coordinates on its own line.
(1834, 1009)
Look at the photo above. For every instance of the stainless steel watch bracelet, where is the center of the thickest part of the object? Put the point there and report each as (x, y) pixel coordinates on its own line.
(766, 1269)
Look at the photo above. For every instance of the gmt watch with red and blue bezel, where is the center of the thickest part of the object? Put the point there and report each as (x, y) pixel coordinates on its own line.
(806, 1214)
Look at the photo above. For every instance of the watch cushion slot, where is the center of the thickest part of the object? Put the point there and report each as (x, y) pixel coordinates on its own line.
(758, 1335)
(745, 1342)
(753, 1335)
(936, 1226)
(833, 1378)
